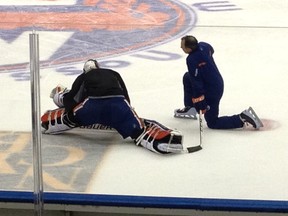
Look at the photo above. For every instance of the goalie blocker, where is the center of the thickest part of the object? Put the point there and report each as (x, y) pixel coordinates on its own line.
(152, 135)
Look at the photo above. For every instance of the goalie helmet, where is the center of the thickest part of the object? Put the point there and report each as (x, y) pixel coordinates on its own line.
(90, 65)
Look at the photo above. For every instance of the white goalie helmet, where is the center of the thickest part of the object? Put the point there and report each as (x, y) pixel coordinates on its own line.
(90, 65)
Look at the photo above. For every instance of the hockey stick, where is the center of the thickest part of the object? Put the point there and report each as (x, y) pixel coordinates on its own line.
(201, 128)
(199, 147)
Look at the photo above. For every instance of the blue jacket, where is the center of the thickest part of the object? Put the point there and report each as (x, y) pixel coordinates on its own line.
(205, 76)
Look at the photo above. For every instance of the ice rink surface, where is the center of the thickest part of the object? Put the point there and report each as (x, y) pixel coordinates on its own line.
(250, 42)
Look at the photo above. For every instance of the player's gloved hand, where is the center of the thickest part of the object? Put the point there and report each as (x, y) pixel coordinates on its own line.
(57, 95)
(58, 89)
(200, 104)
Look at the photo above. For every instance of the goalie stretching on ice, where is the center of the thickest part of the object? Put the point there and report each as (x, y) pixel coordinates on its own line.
(99, 96)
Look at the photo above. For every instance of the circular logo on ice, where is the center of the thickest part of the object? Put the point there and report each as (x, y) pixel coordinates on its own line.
(90, 29)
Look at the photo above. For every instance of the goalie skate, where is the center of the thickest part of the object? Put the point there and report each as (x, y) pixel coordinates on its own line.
(186, 112)
(251, 117)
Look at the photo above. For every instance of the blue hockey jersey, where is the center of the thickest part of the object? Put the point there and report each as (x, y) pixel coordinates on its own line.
(204, 74)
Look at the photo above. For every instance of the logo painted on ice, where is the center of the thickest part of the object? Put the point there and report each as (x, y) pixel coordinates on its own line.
(99, 28)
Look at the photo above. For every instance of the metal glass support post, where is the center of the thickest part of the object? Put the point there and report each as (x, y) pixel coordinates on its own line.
(36, 126)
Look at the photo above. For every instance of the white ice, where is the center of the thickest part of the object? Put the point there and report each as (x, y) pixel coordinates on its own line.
(250, 51)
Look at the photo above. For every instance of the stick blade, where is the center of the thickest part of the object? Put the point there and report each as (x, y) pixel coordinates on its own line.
(194, 149)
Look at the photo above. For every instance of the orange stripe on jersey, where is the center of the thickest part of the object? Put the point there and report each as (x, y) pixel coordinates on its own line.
(79, 106)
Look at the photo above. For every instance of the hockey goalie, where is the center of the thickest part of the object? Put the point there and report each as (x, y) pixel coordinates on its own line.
(99, 96)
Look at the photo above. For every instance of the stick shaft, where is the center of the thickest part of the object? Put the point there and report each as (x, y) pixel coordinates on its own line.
(200, 127)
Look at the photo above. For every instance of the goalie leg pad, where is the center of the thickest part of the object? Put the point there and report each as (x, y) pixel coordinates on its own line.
(56, 121)
(160, 139)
